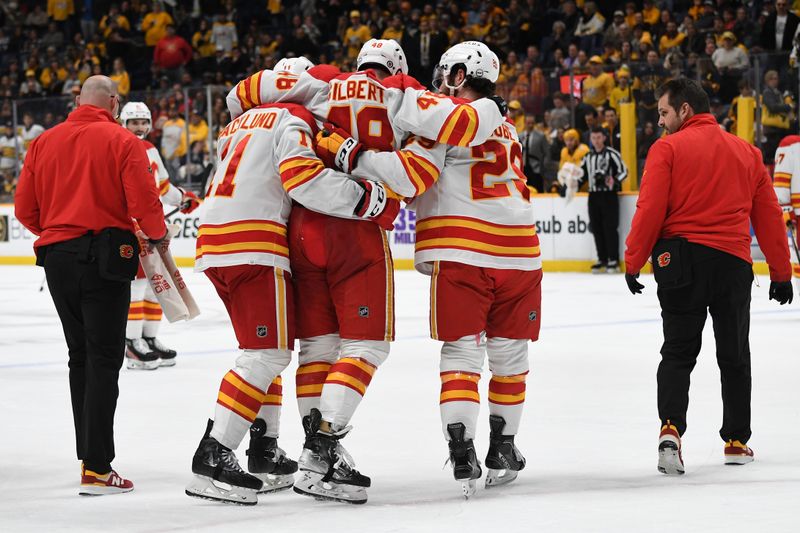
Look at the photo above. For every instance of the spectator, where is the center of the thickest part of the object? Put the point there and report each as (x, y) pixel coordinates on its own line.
(356, 35)
(611, 125)
(649, 78)
(173, 141)
(614, 32)
(776, 113)
(559, 115)
(574, 150)
(198, 129)
(423, 47)
(60, 10)
(155, 23)
(172, 52)
(706, 21)
(778, 31)
(114, 15)
(672, 38)
(557, 40)
(120, 77)
(745, 91)
(52, 77)
(29, 131)
(650, 13)
(534, 153)
(597, 87)
(744, 28)
(590, 28)
(644, 141)
(730, 61)
(201, 40)
(516, 115)
(10, 148)
(30, 88)
(52, 37)
(395, 29)
(37, 18)
(623, 91)
(223, 34)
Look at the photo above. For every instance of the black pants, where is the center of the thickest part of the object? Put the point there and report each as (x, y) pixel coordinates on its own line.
(93, 313)
(535, 180)
(604, 219)
(720, 286)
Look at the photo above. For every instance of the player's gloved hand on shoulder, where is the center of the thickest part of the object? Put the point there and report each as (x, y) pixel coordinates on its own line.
(500, 103)
(781, 292)
(377, 205)
(633, 284)
(337, 149)
(189, 202)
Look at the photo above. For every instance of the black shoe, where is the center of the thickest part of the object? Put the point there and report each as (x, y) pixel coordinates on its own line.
(503, 454)
(139, 356)
(215, 461)
(167, 356)
(612, 267)
(324, 454)
(462, 454)
(598, 268)
(264, 456)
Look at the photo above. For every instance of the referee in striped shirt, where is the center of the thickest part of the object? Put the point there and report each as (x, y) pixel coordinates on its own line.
(604, 169)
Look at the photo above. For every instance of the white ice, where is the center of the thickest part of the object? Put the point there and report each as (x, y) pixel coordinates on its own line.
(589, 430)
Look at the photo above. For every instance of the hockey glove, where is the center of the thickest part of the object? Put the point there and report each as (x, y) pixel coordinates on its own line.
(337, 148)
(633, 285)
(789, 217)
(781, 292)
(189, 202)
(500, 103)
(376, 205)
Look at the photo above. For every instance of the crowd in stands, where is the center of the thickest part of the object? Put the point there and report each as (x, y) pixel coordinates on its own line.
(615, 51)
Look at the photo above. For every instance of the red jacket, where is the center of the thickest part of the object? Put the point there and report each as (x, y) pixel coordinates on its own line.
(87, 173)
(707, 186)
(172, 52)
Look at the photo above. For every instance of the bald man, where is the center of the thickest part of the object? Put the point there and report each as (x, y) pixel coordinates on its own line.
(82, 184)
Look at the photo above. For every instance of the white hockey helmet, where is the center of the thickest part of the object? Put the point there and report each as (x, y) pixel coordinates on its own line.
(385, 52)
(295, 65)
(478, 60)
(136, 110)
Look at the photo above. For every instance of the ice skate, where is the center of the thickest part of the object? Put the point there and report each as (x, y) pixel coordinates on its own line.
(612, 267)
(167, 356)
(738, 453)
(504, 460)
(327, 472)
(598, 268)
(466, 467)
(670, 460)
(218, 476)
(94, 484)
(139, 356)
(267, 461)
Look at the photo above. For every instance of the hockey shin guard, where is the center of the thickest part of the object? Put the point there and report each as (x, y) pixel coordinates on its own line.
(317, 354)
(508, 361)
(136, 310)
(348, 379)
(243, 391)
(270, 410)
(460, 371)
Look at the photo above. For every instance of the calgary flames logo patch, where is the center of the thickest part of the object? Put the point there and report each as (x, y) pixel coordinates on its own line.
(126, 251)
(664, 259)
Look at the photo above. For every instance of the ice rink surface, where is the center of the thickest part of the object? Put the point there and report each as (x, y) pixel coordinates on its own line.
(589, 431)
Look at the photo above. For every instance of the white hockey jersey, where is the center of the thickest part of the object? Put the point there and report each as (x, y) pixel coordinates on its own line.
(170, 195)
(8, 151)
(29, 134)
(479, 211)
(786, 177)
(379, 113)
(266, 160)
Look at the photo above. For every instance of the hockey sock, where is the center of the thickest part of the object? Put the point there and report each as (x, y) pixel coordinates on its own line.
(796, 270)
(243, 391)
(459, 400)
(152, 318)
(344, 387)
(270, 410)
(309, 380)
(133, 330)
(506, 399)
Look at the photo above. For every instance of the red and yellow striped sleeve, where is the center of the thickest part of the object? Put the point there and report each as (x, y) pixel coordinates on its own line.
(782, 179)
(420, 171)
(460, 127)
(248, 91)
(297, 171)
(796, 200)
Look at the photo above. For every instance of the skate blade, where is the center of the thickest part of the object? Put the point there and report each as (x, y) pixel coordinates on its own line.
(496, 478)
(274, 483)
(738, 459)
(669, 463)
(167, 362)
(311, 484)
(137, 364)
(468, 488)
(207, 489)
(98, 490)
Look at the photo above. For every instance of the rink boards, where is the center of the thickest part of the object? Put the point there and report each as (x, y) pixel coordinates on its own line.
(562, 225)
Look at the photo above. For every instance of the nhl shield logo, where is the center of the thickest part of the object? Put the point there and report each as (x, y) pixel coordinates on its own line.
(261, 331)
(126, 251)
(532, 316)
(664, 259)
(363, 311)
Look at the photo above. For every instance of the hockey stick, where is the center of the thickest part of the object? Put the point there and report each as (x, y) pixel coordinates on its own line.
(794, 243)
(173, 211)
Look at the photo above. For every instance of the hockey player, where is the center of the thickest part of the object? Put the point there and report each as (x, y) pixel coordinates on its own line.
(346, 338)
(480, 246)
(266, 161)
(143, 349)
(786, 180)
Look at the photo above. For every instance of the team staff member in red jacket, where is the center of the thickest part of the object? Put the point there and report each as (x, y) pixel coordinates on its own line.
(701, 190)
(82, 182)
